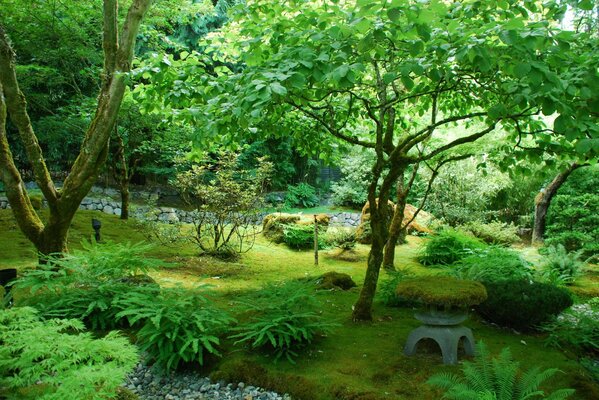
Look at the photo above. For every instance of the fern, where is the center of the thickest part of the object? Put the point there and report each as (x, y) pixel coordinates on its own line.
(281, 317)
(496, 379)
(176, 325)
(53, 360)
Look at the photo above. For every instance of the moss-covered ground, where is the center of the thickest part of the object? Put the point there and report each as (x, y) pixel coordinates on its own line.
(357, 360)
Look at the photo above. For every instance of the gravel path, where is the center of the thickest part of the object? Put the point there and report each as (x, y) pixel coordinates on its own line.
(150, 385)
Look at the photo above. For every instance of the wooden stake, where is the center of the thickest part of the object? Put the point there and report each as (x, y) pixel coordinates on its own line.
(315, 241)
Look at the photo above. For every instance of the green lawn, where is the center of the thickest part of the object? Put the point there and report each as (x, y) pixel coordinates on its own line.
(357, 360)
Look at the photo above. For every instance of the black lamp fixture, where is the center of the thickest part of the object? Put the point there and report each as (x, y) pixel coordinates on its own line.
(96, 224)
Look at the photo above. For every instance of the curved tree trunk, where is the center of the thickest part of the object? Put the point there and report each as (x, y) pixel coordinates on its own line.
(543, 201)
(397, 231)
(51, 237)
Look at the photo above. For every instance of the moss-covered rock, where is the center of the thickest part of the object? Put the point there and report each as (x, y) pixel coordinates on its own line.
(442, 291)
(125, 394)
(273, 225)
(335, 280)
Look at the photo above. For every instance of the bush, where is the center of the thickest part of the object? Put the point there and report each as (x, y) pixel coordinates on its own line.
(561, 267)
(52, 360)
(301, 195)
(573, 218)
(283, 318)
(352, 189)
(576, 328)
(523, 305)
(85, 284)
(177, 324)
(343, 239)
(301, 237)
(386, 288)
(448, 246)
(499, 378)
(493, 232)
(492, 264)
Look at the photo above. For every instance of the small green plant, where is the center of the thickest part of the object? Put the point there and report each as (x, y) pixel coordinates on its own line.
(576, 328)
(386, 288)
(301, 195)
(87, 283)
(343, 239)
(523, 305)
(561, 267)
(176, 325)
(282, 317)
(53, 360)
(493, 232)
(499, 378)
(448, 246)
(301, 237)
(492, 264)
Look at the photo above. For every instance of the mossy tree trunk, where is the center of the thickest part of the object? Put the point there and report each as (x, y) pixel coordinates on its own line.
(123, 171)
(51, 236)
(543, 201)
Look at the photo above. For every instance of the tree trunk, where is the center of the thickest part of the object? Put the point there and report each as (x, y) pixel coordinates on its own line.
(543, 201)
(125, 200)
(51, 237)
(397, 231)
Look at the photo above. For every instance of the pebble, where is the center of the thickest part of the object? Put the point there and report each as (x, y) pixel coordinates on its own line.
(150, 384)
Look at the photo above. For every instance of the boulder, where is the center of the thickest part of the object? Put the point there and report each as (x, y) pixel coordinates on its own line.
(335, 280)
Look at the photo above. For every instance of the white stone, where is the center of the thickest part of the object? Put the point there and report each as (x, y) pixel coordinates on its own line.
(108, 210)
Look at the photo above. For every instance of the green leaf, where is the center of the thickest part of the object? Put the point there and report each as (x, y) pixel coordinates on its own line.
(394, 14)
(277, 88)
(389, 77)
(521, 70)
(407, 81)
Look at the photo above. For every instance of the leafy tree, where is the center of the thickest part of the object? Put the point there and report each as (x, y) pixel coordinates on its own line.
(362, 71)
(227, 203)
(118, 45)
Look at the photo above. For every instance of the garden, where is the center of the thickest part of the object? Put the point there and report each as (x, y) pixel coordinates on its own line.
(299, 200)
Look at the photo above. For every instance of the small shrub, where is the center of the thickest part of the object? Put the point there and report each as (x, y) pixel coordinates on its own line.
(283, 318)
(53, 360)
(560, 266)
(576, 328)
(86, 284)
(301, 237)
(343, 239)
(177, 324)
(494, 232)
(386, 288)
(496, 378)
(301, 195)
(274, 224)
(492, 264)
(448, 246)
(523, 305)
(335, 280)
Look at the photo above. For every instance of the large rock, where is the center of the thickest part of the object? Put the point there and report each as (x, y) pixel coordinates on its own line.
(419, 225)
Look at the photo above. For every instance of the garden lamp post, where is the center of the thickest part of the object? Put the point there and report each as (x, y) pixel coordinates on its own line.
(96, 224)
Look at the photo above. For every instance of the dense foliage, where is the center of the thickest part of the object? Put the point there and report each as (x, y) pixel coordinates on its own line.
(301, 236)
(573, 218)
(448, 246)
(492, 264)
(177, 325)
(496, 378)
(561, 267)
(523, 305)
(283, 317)
(53, 359)
(301, 195)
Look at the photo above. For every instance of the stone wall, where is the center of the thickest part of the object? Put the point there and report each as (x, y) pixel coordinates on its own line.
(171, 215)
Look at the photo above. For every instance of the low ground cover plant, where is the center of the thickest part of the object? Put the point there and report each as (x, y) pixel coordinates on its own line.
(283, 318)
(448, 246)
(177, 324)
(54, 359)
(301, 237)
(496, 378)
(561, 267)
(301, 195)
(523, 305)
(86, 284)
(576, 328)
(493, 232)
(492, 264)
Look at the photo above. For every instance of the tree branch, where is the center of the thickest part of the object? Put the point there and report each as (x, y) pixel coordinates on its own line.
(17, 109)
